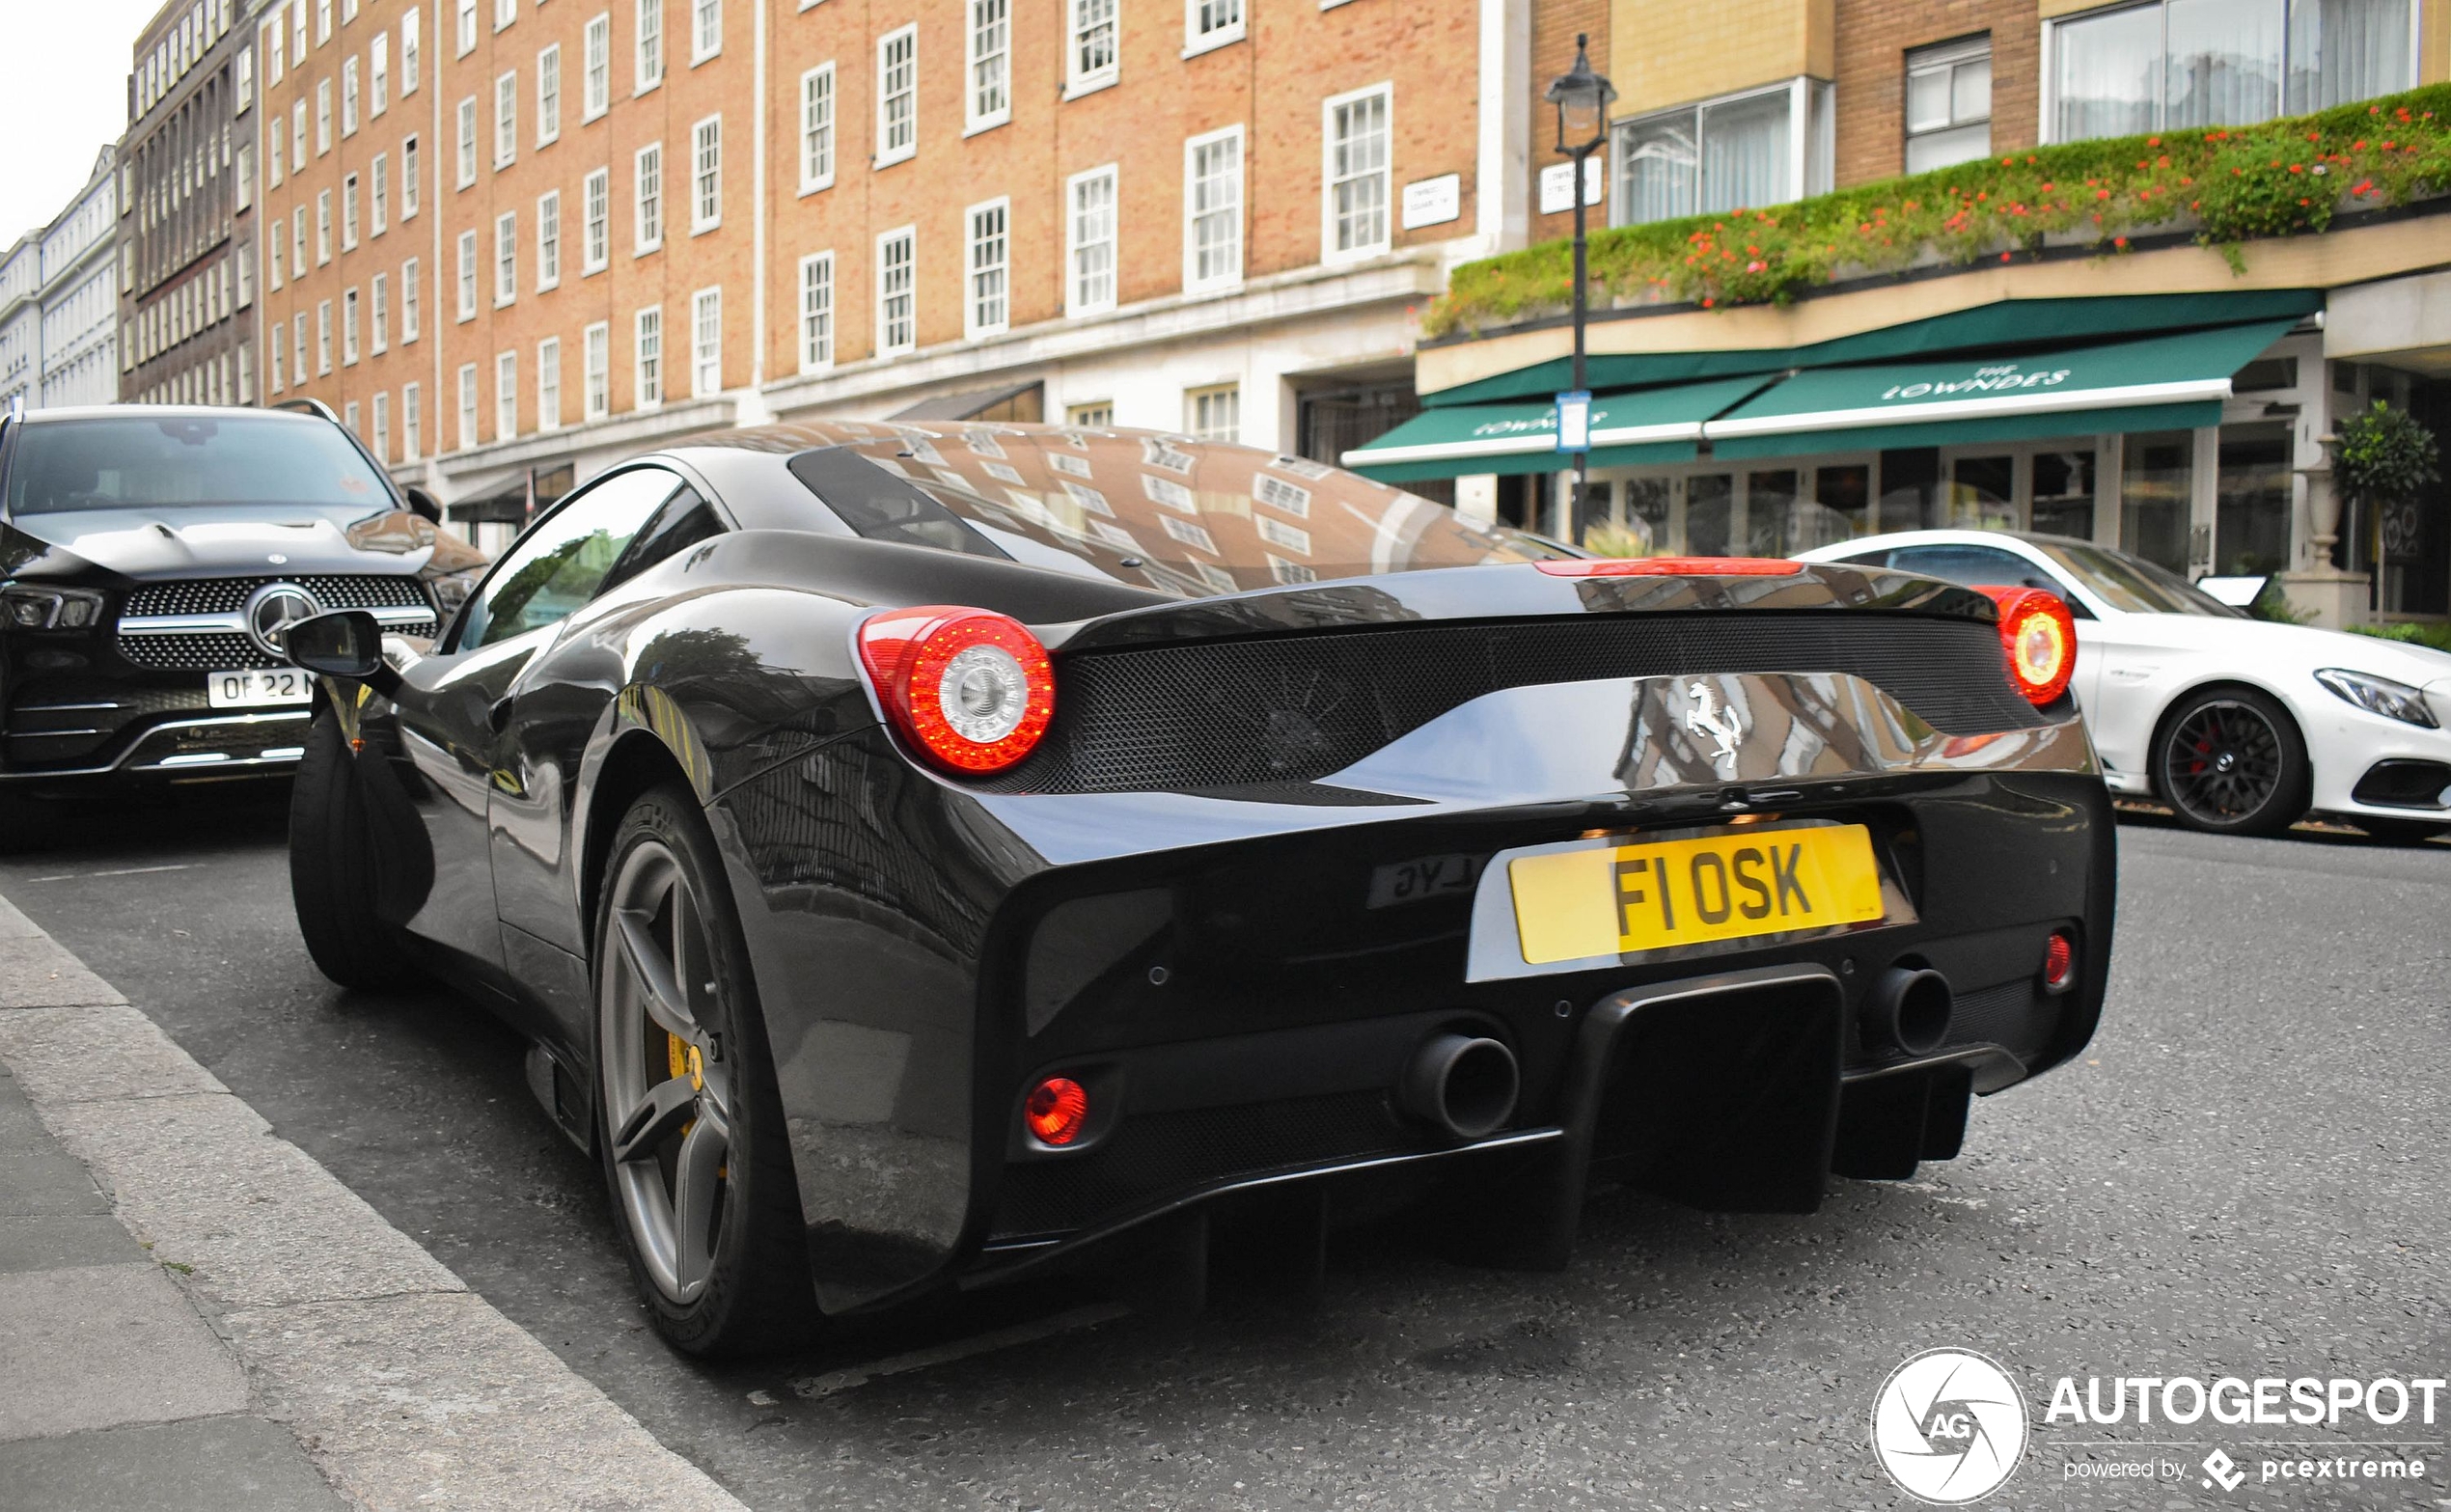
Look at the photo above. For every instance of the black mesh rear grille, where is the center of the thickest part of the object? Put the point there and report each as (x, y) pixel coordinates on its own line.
(1294, 708)
(1155, 1154)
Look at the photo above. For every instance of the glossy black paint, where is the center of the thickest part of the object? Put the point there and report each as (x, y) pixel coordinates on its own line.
(926, 947)
(117, 550)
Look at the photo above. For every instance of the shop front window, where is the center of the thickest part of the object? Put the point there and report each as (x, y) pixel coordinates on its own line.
(1770, 507)
(1982, 494)
(2064, 493)
(1645, 512)
(2416, 536)
(1710, 514)
(2251, 521)
(2154, 486)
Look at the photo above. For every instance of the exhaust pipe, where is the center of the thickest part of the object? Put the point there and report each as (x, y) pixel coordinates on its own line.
(1462, 1085)
(1908, 1007)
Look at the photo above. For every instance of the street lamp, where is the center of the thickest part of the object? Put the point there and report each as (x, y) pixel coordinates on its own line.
(1582, 97)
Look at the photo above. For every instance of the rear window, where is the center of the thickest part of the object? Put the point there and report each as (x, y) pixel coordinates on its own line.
(170, 462)
(1185, 517)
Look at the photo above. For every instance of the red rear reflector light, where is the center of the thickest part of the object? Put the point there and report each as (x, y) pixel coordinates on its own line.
(972, 688)
(2060, 961)
(1056, 1111)
(1672, 566)
(2039, 636)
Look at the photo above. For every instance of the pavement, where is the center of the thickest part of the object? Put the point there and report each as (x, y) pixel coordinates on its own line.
(2245, 1174)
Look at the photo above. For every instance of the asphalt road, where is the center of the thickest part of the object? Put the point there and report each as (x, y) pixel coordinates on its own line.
(2250, 1173)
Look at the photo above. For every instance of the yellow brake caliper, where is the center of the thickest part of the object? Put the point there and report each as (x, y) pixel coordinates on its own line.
(683, 1059)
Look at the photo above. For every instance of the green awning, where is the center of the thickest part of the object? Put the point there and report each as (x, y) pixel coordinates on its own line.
(2003, 325)
(2167, 383)
(1651, 426)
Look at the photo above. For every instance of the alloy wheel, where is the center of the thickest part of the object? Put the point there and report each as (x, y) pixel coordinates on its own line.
(667, 1086)
(2222, 763)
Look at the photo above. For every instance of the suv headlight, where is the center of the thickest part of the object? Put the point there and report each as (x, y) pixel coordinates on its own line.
(2379, 696)
(26, 608)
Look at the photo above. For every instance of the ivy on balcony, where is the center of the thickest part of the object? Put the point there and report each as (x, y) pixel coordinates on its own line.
(2228, 186)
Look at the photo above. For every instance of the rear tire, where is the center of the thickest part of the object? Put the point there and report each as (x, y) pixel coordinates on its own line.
(690, 1129)
(2231, 761)
(332, 868)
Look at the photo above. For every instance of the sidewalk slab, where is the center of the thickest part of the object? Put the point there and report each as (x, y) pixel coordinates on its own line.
(140, 1354)
(54, 1240)
(204, 1464)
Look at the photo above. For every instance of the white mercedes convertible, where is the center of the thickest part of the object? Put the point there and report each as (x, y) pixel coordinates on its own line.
(2240, 725)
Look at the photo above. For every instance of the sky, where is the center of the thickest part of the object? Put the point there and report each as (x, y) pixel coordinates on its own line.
(63, 93)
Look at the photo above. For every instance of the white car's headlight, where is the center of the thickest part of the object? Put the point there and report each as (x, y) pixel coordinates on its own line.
(2379, 696)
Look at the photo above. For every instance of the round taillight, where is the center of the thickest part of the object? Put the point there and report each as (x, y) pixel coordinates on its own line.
(2039, 636)
(972, 688)
(2060, 961)
(1056, 1111)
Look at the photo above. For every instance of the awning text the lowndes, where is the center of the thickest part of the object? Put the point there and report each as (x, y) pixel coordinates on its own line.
(1649, 426)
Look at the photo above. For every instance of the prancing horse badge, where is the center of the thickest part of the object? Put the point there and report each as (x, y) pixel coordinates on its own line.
(1724, 726)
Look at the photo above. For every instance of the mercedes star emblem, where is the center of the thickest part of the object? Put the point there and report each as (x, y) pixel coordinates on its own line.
(273, 608)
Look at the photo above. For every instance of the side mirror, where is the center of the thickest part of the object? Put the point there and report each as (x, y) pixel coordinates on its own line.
(424, 502)
(348, 645)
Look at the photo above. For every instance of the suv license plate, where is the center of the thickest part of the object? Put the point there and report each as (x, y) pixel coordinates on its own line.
(257, 687)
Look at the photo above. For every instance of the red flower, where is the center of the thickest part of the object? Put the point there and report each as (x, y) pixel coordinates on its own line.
(2003, 256)
(2101, 194)
(2365, 186)
(1755, 267)
(1707, 301)
(2048, 187)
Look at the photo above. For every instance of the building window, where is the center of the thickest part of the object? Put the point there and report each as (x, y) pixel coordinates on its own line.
(408, 177)
(1355, 174)
(322, 227)
(467, 124)
(506, 396)
(467, 405)
(298, 346)
(706, 176)
(506, 120)
(506, 12)
(1090, 237)
(548, 239)
(298, 135)
(348, 213)
(597, 341)
(817, 311)
(897, 95)
(596, 240)
(465, 32)
(549, 95)
(243, 194)
(412, 422)
(595, 91)
(1766, 147)
(1213, 210)
(897, 319)
(987, 310)
(408, 86)
(647, 178)
(506, 257)
(378, 75)
(1097, 414)
(1214, 414)
(382, 427)
(1949, 104)
(650, 45)
(549, 383)
(379, 191)
(706, 342)
(1090, 45)
(322, 117)
(409, 301)
(280, 332)
(277, 164)
(816, 128)
(348, 97)
(2184, 64)
(348, 328)
(989, 46)
(323, 337)
(1211, 23)
(379, 314)
(468, 275)
(706, 29)
(650, 357)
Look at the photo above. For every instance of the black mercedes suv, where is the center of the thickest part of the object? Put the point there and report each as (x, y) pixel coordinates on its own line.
(152, 557)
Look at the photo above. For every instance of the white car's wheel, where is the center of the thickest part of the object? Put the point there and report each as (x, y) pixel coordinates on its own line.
(2231, 760)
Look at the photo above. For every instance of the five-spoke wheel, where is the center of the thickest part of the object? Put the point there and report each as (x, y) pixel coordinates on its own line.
(2231, 760)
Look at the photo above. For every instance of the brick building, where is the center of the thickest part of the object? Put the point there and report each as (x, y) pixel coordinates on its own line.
(186, 208)
(516, 240)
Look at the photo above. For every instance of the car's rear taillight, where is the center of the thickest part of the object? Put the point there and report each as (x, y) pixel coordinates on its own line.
(1057, 1111)
(2060, 961)
(2039, 636)
(1672, 566)
(972, 688)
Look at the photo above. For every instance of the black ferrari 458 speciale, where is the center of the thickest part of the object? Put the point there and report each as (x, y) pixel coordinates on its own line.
(929, 856)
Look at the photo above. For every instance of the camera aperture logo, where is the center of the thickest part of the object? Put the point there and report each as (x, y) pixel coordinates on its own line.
(1950, 1426)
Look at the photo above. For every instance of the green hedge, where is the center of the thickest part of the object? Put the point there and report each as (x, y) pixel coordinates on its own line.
(2230, 185)
(2438, 635)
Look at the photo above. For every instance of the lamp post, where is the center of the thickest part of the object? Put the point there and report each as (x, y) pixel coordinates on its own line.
(1582, 97)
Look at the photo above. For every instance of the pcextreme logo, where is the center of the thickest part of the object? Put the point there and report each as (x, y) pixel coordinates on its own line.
(1950, 1426)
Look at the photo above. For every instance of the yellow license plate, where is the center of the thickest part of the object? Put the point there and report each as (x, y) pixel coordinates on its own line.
(1647, 894)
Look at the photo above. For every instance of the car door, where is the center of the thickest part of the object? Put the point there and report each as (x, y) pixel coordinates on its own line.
(556, 704)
